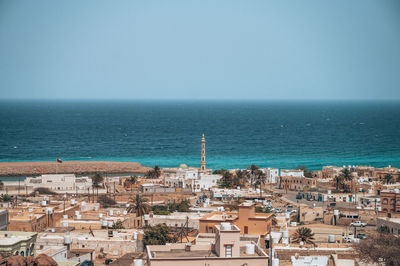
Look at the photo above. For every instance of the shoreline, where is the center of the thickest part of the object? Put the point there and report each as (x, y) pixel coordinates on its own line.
(15, 169)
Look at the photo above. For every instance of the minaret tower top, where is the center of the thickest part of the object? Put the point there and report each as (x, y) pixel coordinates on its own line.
(203, 154)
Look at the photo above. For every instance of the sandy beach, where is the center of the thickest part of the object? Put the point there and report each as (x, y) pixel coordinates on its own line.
(77, 167)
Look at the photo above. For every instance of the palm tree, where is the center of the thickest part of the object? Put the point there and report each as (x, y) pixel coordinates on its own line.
(260, 180)
(388, 179)
(253, 168)
(226, 180)
(346, 174)
(157, 171)
(139, 206)
(303, 234)
(241, 176)
(338, 181)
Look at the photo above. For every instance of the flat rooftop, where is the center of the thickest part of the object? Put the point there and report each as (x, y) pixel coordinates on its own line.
(181, 253)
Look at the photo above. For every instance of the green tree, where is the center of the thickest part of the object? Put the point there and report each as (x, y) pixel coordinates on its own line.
(303, 234)
(260, 180)
(252, 172)
(154, 173)
(158, 235)
(5, 198)
(219, 171)
(227, 180)
(241, 178)
(379, 249)
(97, 179)
(384, 229)
(346, 174)
(160, 210)
(139, 206)
(338, 181)
(1, 185)
(133, 179)
(388, 179)
(307, 173)
(118, 225)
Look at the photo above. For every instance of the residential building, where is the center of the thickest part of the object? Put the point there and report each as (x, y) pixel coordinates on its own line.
(60, 183)
(297, 182)
(227, 250)
(246, 219)
(390, 201)
(17, 243)
(4, 220)
(272, 174)
(393, 224)
(292, 172)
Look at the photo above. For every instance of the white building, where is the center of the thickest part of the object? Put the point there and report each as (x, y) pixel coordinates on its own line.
(59, 183)
(271, 173)
(205, 182)
(292, 172)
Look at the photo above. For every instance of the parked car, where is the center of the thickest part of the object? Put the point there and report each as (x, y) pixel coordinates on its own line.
(358, 224)
(361, 236)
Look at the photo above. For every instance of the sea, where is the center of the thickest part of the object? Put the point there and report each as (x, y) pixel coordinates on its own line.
(282, 134)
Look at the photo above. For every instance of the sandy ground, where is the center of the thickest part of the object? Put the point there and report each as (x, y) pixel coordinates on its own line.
(77, 167)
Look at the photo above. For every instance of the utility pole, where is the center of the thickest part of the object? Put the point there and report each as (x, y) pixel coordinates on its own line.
(114, 190)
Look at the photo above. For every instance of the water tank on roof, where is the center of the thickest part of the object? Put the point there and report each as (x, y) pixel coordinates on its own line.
(49, 210)
(225, 226)
(275, 262)
(67, 239)
(127, 205)
(110, 223)
(146, 217)
(125, 212)
(83, 203)
(65, 216)
(331, 239)
(335, 212)
(44, 203)
(137, 262)
(396, 190)
(111, 212)
(65, 223)
(104, 223)
(73, 201)
(76, 213)
(100, 215)
(78, 217)
(250, 249)
(135, 234)
(285, 234)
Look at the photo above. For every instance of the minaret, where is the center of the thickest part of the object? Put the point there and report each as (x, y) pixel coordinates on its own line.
(203, 155)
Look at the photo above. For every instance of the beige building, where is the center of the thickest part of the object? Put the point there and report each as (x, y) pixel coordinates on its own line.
(17, 243)
(227, 250)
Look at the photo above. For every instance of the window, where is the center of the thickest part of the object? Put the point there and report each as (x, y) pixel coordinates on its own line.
(228, 251)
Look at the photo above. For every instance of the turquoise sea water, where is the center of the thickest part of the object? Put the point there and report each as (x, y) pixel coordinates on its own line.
(168, 133)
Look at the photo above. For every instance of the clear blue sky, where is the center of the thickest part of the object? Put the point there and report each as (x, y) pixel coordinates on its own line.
(343, 49)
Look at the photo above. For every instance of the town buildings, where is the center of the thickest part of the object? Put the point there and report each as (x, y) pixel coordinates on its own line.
(61, 183)
(17, 243)
(246, 219)
(228, 249)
